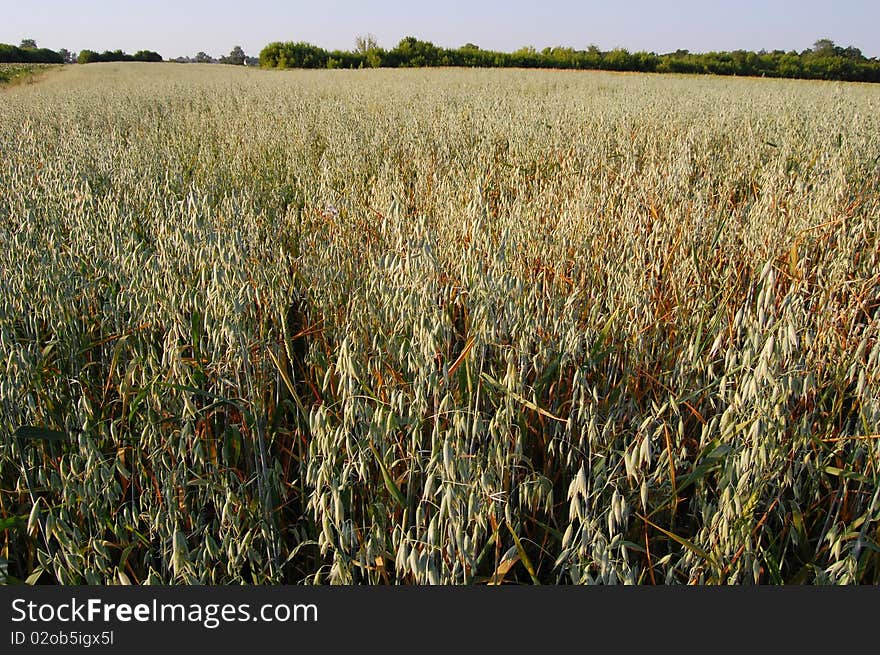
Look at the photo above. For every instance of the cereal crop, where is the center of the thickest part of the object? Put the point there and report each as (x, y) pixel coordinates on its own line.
(439, 326)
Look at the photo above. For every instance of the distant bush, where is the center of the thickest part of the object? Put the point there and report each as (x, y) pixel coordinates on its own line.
(10, 54)
(147, 55)
(90, 56)
(294, 55)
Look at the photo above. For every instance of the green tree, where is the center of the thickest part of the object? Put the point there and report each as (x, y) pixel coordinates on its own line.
(270, 54)
(147, 55)
(236, 57)
(413, 52)
(28, 44)
(293, 55)
(618, 59)
(203, 58)
(368, 48)
(824, 47)
(363, 44)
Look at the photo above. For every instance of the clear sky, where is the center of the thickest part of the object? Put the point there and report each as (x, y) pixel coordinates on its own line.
(183, 27)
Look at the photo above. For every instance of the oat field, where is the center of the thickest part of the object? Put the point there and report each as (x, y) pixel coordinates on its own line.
(438, 326)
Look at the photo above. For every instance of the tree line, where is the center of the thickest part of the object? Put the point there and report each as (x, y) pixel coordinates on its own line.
(236, 57)
(824, 61)
(28, 53)
(91, 57)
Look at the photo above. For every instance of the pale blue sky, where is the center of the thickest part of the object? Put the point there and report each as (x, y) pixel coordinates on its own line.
(183, 27)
